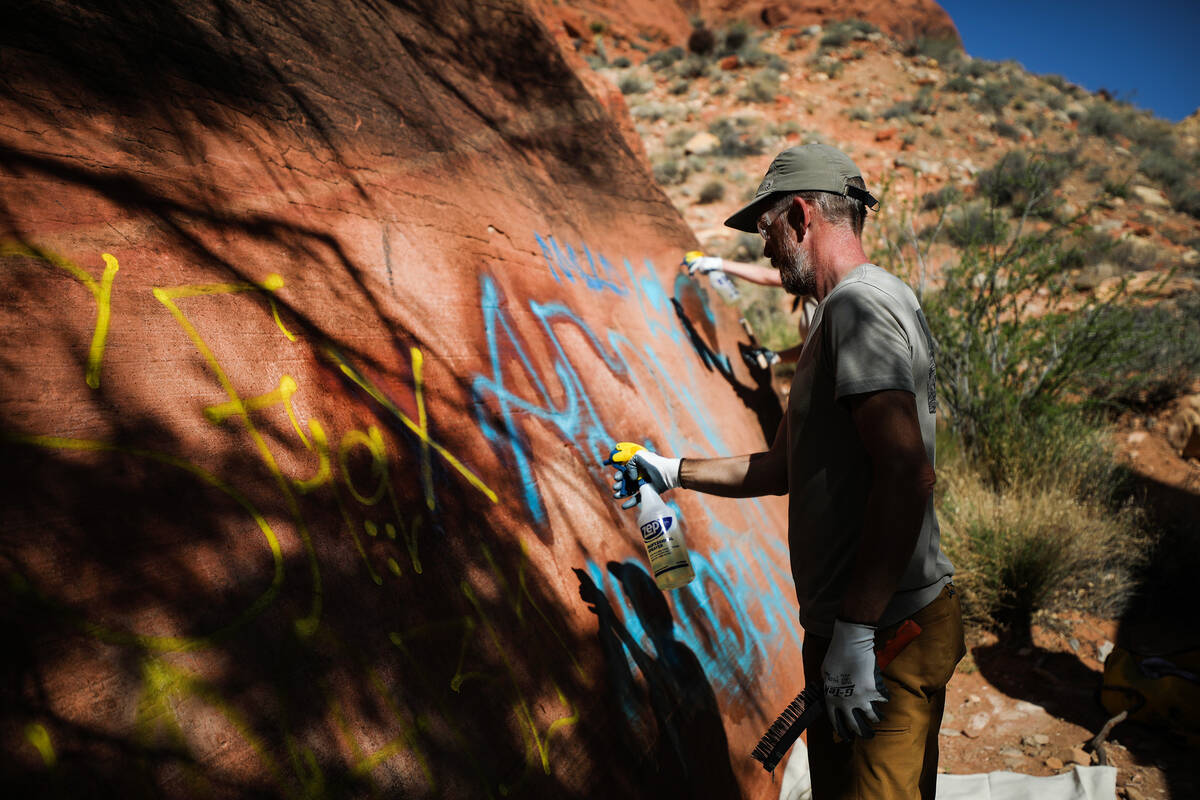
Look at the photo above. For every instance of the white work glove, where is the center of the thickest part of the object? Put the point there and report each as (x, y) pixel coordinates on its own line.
(697, 262)
(854, 687)
(659, 471)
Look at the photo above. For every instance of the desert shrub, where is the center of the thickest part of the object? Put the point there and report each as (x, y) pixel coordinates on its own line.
(691, 67)
(830, 66)
(859, 114)
(958, 83)
(977, 67)
(762, 87)
(939, 48)
(757, 57)
(1163, 163)
(632, 84)
(996, 95)
(621, 62)
(1154, 355)
(665, 58)
(1107, 121)
(735, 38)
(1116, 189)
(922, 103)
(1020, 179)
(976, 224)
(947, 195)
(701, 41)
(836, 35)
(785, 128)
(1006, 129)
(597, 26)
(669, 172)
(678, 137)
(735, 141)
(712, 192)
(1039, 545)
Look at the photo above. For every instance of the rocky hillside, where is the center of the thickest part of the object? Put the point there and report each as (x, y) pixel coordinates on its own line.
(934, 132)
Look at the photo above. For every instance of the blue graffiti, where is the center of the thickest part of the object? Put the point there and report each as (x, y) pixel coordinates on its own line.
(739, 614)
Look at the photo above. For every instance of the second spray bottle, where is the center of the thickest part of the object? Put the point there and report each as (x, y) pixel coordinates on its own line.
(669, 560)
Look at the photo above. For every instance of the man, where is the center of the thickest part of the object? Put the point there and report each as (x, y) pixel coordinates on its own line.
(855, 454)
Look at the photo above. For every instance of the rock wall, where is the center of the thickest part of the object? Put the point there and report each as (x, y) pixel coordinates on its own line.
(318, 319)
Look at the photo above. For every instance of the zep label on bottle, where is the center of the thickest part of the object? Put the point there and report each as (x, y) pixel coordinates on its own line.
(656, 529)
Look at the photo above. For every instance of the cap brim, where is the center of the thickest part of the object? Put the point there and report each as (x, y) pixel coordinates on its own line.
(747, 218)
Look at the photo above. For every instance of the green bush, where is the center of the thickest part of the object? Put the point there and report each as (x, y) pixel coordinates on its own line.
(712, 192)
(976, 225)
(762, 87)
(1153, 355)
(669, 172)
(632, 84)
(940, 48)
(665, 58)
(735, 38)
(692, 67)
(735, 142)
(1006, 129)
(946, 196)
(701, 41)
(959, 83)
(996, 96)
(1019, 179)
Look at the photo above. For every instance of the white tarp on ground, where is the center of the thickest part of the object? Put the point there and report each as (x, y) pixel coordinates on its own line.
(1081, 783)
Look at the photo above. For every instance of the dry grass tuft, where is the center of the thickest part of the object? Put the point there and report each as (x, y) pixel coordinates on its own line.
(1037, 545)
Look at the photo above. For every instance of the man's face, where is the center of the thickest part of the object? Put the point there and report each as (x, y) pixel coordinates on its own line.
(786, 253)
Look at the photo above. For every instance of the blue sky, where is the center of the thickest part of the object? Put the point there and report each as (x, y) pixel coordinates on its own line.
(1143, 51)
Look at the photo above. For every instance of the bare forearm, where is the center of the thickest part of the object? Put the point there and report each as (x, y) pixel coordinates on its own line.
(892, 525)
(755, 273)
(737, 476)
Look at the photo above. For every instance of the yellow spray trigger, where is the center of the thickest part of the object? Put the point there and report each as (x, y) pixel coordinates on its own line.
(624, 451)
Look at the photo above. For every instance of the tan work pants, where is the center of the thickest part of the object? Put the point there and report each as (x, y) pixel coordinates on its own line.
(901, 761)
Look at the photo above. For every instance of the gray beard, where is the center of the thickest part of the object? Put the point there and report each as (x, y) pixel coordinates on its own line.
(797, 274)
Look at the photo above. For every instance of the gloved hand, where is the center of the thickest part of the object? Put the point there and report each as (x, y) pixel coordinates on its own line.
(854, 687)
(697, 262)
(659, 471)
(760, 357)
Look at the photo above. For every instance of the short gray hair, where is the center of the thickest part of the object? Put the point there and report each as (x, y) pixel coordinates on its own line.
(835, 208)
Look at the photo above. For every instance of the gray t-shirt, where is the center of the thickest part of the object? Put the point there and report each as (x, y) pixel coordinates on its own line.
(867, 335)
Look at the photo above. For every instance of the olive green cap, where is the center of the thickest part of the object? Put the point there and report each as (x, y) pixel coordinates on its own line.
(806, 168)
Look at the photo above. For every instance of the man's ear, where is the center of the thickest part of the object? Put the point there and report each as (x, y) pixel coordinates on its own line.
(799, 213)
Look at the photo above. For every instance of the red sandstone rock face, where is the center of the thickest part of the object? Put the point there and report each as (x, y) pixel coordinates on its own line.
(317, 323)
(670, 22)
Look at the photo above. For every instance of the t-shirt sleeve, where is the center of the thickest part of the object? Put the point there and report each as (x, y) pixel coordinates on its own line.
(866, 343)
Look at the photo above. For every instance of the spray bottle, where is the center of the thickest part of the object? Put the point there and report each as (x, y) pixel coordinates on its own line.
(669, 561)
(716, 276)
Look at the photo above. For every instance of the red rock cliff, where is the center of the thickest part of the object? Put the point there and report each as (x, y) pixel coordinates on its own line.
(318, 320)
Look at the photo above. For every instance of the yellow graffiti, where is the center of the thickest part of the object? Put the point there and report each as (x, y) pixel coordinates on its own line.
(307, 625)
(521, 707)
(37, 735)
(164, 685)
(173, 643)
(373, 441)
(420, 428)
(101, 292)
(321, 444)
(281, 396)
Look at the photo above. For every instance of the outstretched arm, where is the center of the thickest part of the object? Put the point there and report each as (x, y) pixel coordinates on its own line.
(740, 476)
(755, 273)
(697, 262)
